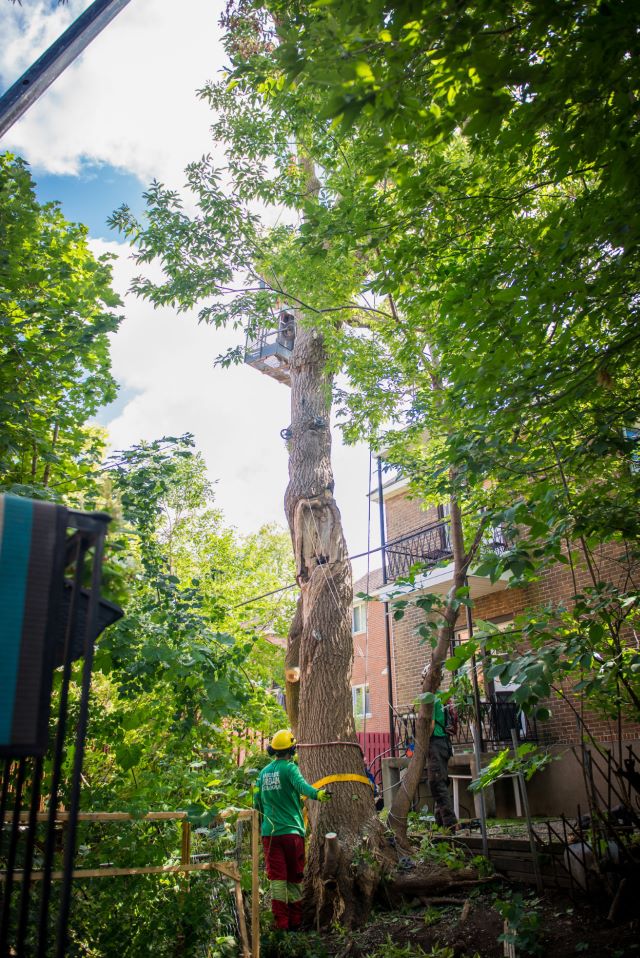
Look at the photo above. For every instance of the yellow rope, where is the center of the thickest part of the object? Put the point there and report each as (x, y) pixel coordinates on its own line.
(343, 777)
(328, 779)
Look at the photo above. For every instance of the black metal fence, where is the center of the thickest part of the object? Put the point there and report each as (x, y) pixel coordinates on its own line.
(600, 851)
(58, 622)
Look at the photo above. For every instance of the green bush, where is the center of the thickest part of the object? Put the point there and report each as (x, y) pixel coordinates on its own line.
(525, 923)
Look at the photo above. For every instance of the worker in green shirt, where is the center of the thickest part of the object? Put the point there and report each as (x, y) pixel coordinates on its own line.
(277, 797)
(440, 751)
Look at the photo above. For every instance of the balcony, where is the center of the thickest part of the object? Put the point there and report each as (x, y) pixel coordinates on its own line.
(430, 547)
(496, 718)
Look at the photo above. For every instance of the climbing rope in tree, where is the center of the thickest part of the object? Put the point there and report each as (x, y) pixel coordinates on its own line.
(323, 744)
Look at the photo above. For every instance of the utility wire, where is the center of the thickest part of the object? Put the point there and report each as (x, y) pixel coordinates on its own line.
(284, 588)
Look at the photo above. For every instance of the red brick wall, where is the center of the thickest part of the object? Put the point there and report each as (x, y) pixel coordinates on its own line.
(555, 585)
(404, 516)
(370, 657)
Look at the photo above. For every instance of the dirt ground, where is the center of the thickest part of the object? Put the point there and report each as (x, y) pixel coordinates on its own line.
(552, 926)
(564, 930)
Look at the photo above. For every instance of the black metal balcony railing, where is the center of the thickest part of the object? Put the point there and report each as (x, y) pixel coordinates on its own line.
(431, 545)
(496, 719)
(427, 546)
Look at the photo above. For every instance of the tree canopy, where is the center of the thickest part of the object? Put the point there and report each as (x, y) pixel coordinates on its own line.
(470, 255)
(57, 308)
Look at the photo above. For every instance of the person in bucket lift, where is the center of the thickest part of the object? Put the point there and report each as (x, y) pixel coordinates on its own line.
(277, 797)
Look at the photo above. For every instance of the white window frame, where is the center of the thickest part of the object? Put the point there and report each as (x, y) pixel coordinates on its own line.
(363, 693)
(359, 611)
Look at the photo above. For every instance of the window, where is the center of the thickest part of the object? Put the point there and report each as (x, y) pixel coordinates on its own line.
(359, 618)
(361, 703)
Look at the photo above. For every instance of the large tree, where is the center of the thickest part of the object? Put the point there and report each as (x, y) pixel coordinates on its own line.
(467, 255)
(235, 274)
(56, 311)
(320, 647)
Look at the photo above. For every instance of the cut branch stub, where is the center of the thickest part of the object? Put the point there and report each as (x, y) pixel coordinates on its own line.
(331, 857)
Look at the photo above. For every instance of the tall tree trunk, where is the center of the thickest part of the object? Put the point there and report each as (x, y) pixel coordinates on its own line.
(320, 651)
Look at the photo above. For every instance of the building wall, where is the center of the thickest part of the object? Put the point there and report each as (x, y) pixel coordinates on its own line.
(556, 584)
(370, 658)
(404, 516)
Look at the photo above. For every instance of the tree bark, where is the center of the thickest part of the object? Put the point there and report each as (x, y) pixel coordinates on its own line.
(320, 650)
(432, 880)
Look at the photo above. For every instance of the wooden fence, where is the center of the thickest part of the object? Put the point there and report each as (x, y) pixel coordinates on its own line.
(250, 947)
(374, 744)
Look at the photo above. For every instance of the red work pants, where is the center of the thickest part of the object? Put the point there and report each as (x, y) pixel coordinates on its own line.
(284, 858)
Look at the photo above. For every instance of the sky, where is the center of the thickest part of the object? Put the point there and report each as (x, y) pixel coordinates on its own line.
(124, 113)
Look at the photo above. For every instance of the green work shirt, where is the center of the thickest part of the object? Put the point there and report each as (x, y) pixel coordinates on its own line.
(277, 796)
(438, 718)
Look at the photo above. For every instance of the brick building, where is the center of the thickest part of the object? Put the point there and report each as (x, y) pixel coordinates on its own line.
(369, 679)
(416, 534)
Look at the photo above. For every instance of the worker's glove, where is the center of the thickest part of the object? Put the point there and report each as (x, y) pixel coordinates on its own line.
(324, 795)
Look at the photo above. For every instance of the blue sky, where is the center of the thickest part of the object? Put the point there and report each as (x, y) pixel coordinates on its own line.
(91, 196)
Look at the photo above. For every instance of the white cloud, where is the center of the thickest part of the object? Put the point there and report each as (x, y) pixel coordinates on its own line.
(27, 31)
(129, 100)
(236, 414)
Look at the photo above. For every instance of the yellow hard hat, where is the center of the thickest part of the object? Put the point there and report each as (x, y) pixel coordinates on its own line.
(282, 740)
